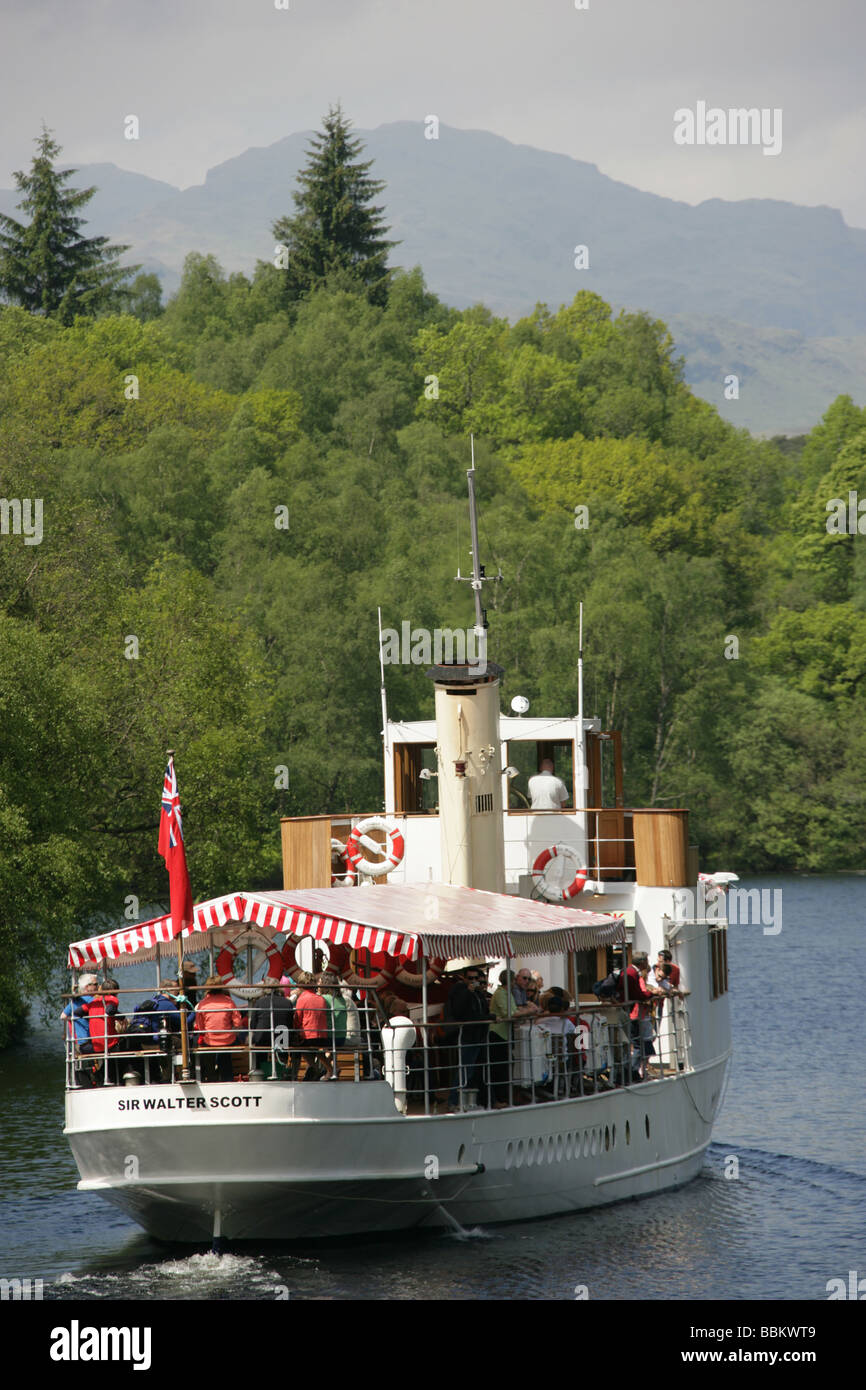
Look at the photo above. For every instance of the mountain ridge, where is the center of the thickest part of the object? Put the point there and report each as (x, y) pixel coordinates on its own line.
(497, 222)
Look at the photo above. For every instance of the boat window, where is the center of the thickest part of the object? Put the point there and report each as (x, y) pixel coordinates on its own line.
(412, 793)
(588, 968)
(527, 755)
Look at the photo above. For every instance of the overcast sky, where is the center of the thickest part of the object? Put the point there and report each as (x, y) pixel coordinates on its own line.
(209, 78)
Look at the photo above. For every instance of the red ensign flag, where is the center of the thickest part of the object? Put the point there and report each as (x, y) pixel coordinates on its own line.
(171, 848)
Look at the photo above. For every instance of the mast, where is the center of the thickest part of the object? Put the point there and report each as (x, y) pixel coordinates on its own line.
(382, 691)
(477, 571)
(478, 578)
(581, 744)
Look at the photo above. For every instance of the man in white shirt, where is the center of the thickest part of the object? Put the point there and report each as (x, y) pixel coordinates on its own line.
(546, 791)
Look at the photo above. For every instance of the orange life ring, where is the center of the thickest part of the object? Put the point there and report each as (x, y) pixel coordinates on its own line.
(340, 960)
(225, 961)
(393, 854)
(577, 883)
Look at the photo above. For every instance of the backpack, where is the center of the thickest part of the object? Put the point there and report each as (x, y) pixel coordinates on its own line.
(607, 988)
(143, 1023)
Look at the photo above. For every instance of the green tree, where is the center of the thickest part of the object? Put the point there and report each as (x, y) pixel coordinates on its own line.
(47, 266)
(145, 298)
(335, 227)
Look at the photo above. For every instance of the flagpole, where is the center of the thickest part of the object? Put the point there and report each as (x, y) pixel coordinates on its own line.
(184, 1039)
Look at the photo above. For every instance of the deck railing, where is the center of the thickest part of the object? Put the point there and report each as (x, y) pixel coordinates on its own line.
(433, 1068)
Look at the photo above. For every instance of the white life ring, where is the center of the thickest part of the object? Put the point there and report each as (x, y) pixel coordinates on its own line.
(393, 851)
(558, 895)
(225, 961)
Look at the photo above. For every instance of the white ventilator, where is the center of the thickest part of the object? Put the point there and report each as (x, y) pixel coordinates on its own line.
(397, 1037)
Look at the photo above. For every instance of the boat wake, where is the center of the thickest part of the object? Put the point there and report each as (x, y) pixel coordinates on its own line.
(473, 1233)
(197, 1277)
(830, 1178)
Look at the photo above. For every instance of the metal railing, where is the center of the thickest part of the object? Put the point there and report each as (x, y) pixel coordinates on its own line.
(543, 1060)
(433, 1068)
(137, 1048)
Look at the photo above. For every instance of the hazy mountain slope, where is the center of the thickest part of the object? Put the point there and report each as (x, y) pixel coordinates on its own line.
(766, 289)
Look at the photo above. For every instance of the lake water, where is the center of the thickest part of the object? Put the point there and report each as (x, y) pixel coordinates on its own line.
(794, 1118)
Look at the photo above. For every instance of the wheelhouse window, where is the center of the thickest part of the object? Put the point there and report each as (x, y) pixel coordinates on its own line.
(414, 794)
(527, 755)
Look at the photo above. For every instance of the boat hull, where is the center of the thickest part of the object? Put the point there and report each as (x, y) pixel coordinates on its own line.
(284, 1161)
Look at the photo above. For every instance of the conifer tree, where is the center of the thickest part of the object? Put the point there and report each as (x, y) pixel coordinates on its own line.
(335, 227)
(46, 265)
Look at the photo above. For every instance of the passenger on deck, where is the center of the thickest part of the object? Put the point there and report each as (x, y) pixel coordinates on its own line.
(660, 984)
(272, 1022)
(77, 1029)
(546, 791)
(216, 1024)
(337, 1016)
(188, 978)
(562, 1033)
(665, 958)
(101, 1012)
(311, 1020)
(501, 1030)
(466, 1007)
(167, 1008)
(635, 992)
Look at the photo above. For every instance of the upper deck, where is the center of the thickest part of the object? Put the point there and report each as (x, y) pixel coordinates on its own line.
(618, 845)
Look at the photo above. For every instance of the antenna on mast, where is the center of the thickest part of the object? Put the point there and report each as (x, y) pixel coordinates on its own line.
(382, 689)
(478, 577)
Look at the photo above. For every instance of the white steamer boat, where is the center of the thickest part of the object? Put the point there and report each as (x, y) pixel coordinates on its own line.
(452, 873)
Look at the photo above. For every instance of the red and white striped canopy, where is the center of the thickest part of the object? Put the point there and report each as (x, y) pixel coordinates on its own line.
(406, 920)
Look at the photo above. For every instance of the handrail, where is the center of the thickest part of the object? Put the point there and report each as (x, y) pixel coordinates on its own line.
(451, 1059)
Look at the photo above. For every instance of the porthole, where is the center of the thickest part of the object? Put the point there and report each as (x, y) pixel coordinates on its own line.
(606, 1137)
(627, 1132)
(646, 1125)
(560, 1147)
(586, 1143)
(593, 1145)
(550, 1148)
(613, 1135)
(569, 1144)
(461, 1154)
(518, 1163)
(509, 1155)
(530, 1152)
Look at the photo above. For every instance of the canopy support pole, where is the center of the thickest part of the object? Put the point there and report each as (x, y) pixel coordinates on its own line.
(184, 1040)
(426, 1031)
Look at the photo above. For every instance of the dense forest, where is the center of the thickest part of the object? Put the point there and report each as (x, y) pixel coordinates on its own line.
(231, 484)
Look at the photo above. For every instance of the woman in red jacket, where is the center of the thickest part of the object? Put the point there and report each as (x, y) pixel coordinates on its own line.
(101, 1013)
(216, 1024)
